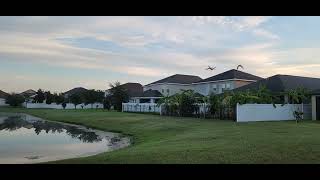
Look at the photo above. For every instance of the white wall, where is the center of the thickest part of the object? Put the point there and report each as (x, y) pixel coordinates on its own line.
(140, 107)
(266, 112)
(3, 102)
(59, 106)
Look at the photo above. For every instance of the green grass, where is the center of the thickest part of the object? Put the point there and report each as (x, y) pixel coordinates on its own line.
(159, 139)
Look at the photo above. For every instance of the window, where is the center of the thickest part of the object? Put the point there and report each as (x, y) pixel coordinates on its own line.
(228, 86)
(162, 90)
(214, 87)
(223, 86)
(168, 91)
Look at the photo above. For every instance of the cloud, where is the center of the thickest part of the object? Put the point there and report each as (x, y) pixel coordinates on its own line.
(150, 47)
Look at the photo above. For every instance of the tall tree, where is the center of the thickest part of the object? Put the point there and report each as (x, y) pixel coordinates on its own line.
(89, 97)
(49, 97)
(58, 98)
(118, 95)
(40, 97)
(76, 99)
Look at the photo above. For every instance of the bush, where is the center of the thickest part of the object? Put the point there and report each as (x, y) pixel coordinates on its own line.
(15, 100)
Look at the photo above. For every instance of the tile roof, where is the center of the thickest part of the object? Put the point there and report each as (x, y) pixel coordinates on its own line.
(178, 78)
(232, 74)
(282, 83)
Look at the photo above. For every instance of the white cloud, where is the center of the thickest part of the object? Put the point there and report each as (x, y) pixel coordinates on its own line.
(188, 47)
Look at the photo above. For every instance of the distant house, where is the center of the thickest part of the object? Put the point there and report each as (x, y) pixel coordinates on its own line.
(148, 96)
(133, 89)
(224, 81)
(77, 90)
(3, 96)
(29, 95)
(173, 84)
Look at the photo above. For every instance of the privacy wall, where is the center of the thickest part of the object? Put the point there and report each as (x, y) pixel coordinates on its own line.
(266, 112)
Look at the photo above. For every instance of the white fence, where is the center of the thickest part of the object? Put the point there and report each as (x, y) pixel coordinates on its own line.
(266, 112)
(141, 107)
(59, 106)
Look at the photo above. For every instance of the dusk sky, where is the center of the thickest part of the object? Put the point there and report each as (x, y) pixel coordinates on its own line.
(60, 53)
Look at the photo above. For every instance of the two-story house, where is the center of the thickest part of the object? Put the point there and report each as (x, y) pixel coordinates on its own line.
(224, 81)
(173, 84)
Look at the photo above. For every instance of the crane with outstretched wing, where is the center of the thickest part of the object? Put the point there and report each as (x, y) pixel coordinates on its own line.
(211, 68)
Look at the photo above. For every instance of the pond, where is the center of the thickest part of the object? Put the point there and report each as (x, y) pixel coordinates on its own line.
(28, 139)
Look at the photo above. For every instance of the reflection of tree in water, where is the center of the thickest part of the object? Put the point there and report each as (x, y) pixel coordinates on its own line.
(16, 122)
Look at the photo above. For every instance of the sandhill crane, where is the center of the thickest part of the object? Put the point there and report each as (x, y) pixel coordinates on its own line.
(240, 66)
(211, 68)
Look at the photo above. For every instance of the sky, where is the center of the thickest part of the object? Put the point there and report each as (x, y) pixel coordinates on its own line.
(60, 53)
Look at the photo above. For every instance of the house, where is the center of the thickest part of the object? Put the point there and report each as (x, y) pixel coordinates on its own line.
(133, 90)
(278, 84)
(224, 81)
(315, 102)
(173, 84)
(148, 96)
(3, 96)
(29, 95)
(77, 90)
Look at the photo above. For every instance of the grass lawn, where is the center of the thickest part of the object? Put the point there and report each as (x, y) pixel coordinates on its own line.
(159, 139)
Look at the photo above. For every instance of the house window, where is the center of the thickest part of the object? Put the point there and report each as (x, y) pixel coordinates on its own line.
(162, 90)
(223, 86)
(228, 86)
(168, 91)
(214, 87)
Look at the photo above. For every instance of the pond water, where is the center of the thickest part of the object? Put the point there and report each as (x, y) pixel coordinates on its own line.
(28, 139)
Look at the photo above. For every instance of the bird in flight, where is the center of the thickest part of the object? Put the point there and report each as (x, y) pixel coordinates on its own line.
(211, 68)
(239, 66)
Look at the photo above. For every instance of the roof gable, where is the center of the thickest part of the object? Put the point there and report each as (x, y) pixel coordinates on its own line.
(179, 78)
(3, 94)
(133, 89)
(75, 90)
(232, 74)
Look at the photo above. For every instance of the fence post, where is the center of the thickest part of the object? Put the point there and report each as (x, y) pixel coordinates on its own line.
(302, 111)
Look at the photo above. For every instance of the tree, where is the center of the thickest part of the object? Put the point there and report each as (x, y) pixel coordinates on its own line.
(76, 99)
(15, 99)
(40, 97)
(49, 97)
(92, 96)
(297, 96)
(107, 103)
(214, 102)
(118, 95)
(64, 105)
(58, 98)
(181, 104)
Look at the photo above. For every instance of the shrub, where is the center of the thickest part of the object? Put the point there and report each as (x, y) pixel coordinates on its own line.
(15, 100)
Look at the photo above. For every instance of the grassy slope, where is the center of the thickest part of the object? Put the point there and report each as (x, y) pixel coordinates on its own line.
(160, 139)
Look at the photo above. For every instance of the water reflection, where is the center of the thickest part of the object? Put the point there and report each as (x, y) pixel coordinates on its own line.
(28, 139)
(14, 123)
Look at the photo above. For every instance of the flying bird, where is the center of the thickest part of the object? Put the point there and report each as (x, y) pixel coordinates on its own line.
(211, 68)
(239, 67)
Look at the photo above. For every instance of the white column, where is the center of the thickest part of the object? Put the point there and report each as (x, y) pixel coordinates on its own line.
(151, 100)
